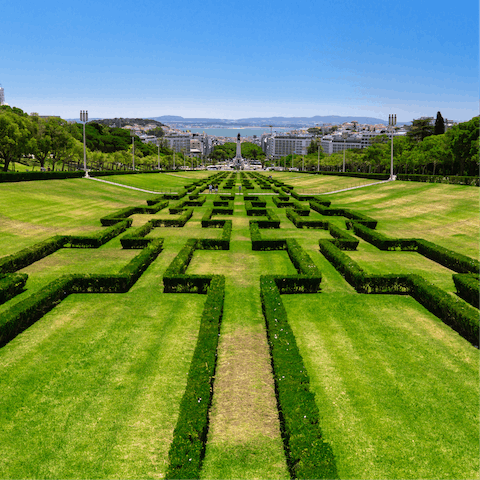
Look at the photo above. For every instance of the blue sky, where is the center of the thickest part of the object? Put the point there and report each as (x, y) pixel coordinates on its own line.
(241, 59)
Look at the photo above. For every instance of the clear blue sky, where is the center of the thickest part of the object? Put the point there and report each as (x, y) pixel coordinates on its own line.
(225, 59)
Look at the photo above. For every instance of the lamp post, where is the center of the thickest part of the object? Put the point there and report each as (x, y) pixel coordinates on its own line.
(392, 121)
(132, 133)
(84, 119)
(344, 136)
(158, 147)
(318, 161)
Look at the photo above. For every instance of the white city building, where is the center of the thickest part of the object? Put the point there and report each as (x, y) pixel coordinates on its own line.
(278, 146)
(178, 142)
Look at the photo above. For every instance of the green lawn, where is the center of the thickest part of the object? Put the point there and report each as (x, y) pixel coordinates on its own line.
(92, 390)
(397, 390)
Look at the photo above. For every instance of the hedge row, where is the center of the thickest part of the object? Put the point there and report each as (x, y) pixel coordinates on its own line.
(457, 180)
(460, 316)
(448, 258)
(467, 286)
(20, 316)
(29, 176)
(156, 204)
(187, 449)
(11, 285)
(308, 455)
(217, 244)
(174, 222)
(343, 212)
(283, 201)
(300, 222)
(258, 244)
(29, 255)
(99, 238)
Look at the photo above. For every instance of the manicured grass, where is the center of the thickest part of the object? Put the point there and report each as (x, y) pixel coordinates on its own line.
(397, 390)
(92, 390)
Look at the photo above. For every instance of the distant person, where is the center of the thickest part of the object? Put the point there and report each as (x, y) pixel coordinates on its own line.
(239, 189)
(216, 188)
(210, 188)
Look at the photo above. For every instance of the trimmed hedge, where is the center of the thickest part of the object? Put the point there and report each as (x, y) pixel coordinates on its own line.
(187, 449)
(11, 285)
(258, 244)
(382, 241)
(20, 316)
(174, 222)
(29, 255)
(460, 316)
(30, 176)
(300, 222)
(99, 238)
(468, 287)
(451, 179)
(343, 212)
(217, 244)
(308, 455)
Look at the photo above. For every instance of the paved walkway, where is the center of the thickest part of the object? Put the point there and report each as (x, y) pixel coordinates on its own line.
(126, 186)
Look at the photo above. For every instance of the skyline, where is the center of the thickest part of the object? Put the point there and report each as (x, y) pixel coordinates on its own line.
(221, 60)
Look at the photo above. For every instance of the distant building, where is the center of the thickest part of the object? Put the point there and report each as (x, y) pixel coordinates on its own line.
(278, 146)
(2, 96)
(178, 142)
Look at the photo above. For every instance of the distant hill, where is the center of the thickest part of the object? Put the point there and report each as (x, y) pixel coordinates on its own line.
(122, 122)
(276, 121)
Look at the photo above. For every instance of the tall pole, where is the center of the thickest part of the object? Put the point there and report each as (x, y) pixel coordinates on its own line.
(344, 135)
(392, 121)
(158, 161)
(318, 162)
(84, 119)
(174, 159)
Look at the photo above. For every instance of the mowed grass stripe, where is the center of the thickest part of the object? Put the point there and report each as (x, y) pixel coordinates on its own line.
(397, 389)
(244, 436)
(92, 390)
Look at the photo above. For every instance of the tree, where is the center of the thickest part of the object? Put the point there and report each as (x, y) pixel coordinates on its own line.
(464, 140)
(439, 125)
(420, 129)
(15, 137)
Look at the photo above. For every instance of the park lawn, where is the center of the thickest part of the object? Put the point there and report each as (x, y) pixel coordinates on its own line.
(317, 184)
(443, 214)
(34, 211)
(160, 182)
(396, 388)
(92, 390)
(382, 262)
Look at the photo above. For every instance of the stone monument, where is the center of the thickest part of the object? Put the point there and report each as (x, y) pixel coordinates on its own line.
(238, 160)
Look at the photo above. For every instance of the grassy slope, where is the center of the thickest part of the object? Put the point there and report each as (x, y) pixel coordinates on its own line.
(74, 340)
(397, 389)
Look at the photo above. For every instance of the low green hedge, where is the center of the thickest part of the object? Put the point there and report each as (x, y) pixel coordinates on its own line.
(258, 244)
(174, 222)
(308, 455)
(448, 258)
(23, 314)
(343, 212)
(342, 239)
(30, 176)
(450, 179)
(29, 255)
(217, 244)
(301, 222)
(381, 241)
(187, 449)
(454, 312)
(468, 287)
(11, 285)
(99, 238)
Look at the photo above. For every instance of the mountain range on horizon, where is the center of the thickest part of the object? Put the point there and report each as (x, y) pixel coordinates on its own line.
(275, 121)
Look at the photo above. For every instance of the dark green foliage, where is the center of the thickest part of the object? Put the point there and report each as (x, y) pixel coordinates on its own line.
(449, 179)
(343, 240)
(454, 312)
(190, 435)
(448, 258)
(301, 222)
(439, 125)
(468, 287)
(29, 255)
(120, 215)
(135, 238)
(263, 245)
(99, 238)
(308, 455)
(217, 244)
(174, 222)
(29, 176)
(25, 313)
(283, 201)
(343, 212)
(11, 285)
(382, 241)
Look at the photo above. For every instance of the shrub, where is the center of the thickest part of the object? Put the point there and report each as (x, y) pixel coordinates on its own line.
(258, 244)
(29, 255)
(467, 286)
(99, 238)
(11, 285)
(187, 449)
(308, 455)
